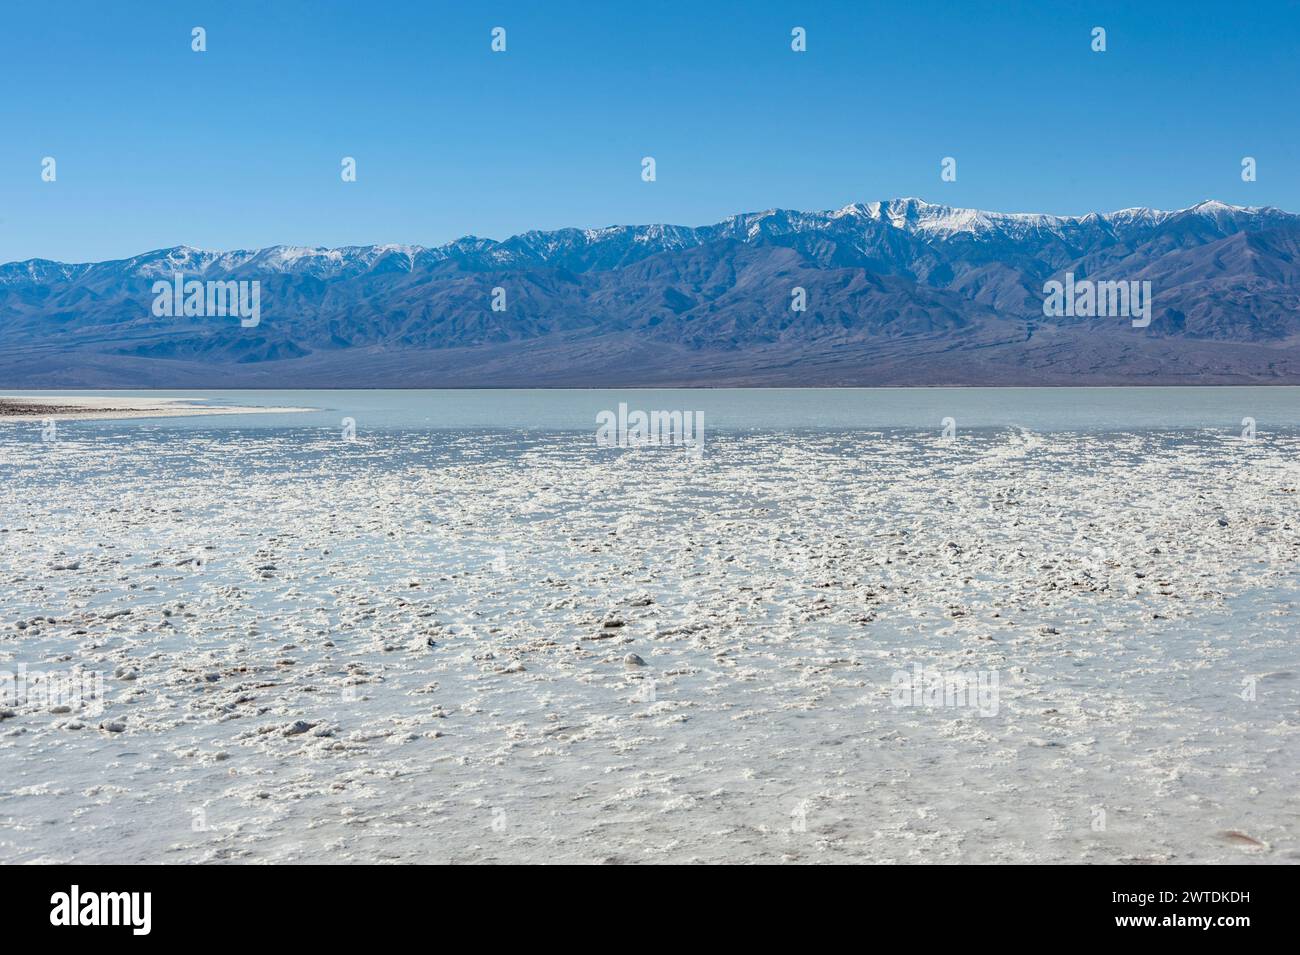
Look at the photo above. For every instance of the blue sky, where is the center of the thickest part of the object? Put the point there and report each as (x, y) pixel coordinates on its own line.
(240, 147)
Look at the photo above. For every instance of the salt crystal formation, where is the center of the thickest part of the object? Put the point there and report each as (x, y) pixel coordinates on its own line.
(492, 646)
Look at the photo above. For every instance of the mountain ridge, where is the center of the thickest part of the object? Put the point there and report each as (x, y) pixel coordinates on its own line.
(899, 291)
(941, 220)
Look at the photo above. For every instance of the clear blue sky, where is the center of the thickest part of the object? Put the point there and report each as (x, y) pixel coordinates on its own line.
(239, 147)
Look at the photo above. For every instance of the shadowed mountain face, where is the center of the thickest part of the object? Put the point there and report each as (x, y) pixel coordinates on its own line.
(897, 293)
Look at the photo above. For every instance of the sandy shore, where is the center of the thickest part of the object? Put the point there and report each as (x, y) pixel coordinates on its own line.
(93, 407)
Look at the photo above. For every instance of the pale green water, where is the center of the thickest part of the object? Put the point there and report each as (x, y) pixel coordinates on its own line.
(744, 409)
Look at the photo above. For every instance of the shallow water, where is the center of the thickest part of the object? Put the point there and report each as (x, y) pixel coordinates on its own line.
(759, 409)
(432, 600)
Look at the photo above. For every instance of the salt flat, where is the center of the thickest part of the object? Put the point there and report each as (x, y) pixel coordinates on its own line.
(415, 647)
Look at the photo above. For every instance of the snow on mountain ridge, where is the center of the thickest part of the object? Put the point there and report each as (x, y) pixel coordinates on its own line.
(927, 221)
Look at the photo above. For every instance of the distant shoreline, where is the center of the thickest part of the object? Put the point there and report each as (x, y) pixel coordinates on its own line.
(91, 408)
(37, 394)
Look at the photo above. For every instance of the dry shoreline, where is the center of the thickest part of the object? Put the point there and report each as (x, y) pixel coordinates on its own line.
(90, 408)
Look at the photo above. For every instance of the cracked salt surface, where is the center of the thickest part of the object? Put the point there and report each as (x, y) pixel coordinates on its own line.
(424, 646)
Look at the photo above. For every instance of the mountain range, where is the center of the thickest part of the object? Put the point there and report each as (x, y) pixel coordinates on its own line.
(899, 292)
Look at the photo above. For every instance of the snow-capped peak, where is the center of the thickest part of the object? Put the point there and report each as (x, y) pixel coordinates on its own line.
(918, 217)
(613, 245)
